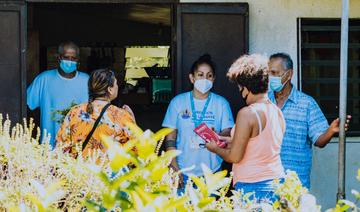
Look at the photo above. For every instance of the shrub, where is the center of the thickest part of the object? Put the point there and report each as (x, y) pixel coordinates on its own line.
(33, 177)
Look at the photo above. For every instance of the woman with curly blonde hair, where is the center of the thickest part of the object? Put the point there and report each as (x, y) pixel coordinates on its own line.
(254, 148)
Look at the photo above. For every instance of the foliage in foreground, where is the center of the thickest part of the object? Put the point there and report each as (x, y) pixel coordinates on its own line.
(346, 205)
(34, 178)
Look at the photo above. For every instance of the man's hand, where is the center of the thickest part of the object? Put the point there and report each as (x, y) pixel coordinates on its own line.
(334, 126)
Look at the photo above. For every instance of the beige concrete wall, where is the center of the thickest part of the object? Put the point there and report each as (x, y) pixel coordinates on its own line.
(273, 22)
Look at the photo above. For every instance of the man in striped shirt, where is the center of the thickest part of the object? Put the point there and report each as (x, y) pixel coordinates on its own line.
(306, 125)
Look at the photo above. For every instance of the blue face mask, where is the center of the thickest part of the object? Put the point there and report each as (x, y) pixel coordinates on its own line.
(68, 66)
(275, 83)
(203, 85)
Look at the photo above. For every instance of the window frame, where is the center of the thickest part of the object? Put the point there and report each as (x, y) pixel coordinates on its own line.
(300, 47)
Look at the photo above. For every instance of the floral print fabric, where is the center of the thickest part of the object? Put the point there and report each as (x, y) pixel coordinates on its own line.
(78, 124)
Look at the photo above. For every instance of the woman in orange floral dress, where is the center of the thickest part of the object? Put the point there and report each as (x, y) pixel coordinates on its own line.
(80, 120)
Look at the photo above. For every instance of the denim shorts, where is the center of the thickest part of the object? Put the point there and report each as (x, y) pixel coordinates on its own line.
(263, 191)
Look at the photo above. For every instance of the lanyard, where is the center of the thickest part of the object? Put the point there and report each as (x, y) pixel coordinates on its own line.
(193, 111)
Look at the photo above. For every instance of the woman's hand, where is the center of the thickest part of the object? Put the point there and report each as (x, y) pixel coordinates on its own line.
(226, 139)
(181, 181)
(176, 169)
(213, 146)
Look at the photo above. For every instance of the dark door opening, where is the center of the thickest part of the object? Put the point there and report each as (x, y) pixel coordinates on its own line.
(116, 31)
(12, 60)
(135, 40)
(219, 29)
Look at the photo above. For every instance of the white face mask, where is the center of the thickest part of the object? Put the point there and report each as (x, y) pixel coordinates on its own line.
(203, 85)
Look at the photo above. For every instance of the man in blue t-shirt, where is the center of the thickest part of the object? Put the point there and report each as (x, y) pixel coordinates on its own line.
(57, 89)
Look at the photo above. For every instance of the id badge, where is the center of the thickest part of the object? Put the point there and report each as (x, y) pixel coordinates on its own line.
(196, 142)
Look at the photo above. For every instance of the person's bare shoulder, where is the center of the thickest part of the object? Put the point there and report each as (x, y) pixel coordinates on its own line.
(245, 112)
(246, 115)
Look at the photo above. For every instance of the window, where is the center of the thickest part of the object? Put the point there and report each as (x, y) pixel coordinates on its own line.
(151, 63)
(320, 66)
(139, 58)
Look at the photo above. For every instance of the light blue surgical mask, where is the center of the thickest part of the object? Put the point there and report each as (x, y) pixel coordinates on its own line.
(203, 85)
(275, 83)
(68, 66)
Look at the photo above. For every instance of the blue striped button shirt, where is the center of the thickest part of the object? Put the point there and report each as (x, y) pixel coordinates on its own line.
(305, 122)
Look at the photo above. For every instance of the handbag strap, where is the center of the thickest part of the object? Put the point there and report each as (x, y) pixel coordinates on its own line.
(95, 126)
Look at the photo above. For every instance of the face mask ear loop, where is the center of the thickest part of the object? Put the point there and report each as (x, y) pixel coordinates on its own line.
(286, 80)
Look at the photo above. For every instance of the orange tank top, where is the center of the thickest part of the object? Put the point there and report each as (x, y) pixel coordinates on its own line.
(262, 155)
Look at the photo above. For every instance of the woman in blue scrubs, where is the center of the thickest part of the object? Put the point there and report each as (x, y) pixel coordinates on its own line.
(187, 111)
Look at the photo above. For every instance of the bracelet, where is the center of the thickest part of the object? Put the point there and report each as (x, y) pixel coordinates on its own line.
(170, 143)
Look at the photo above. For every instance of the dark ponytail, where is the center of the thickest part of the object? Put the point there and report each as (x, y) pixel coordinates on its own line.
(99, 82)
(204, 59)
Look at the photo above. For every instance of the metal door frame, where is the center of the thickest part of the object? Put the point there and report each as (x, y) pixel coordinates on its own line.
(20, 7)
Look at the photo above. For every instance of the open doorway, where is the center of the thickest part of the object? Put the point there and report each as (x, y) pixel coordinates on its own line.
(135, 40)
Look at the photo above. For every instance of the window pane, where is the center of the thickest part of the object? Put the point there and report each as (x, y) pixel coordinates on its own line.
(320, 67)
(310, 71)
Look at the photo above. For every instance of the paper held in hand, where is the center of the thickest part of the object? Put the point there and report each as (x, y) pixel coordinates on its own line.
(208, 135)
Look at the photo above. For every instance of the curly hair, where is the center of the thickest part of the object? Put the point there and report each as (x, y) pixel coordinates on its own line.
(250, 71)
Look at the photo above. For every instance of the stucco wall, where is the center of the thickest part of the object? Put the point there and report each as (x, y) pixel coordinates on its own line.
(273, 22)
(273, 29)
(325, 169)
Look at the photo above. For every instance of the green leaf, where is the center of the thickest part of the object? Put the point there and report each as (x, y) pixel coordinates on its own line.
(200, 184)
(104, 177)
(162, 133)
(204, 202)
(176, 203)
(36, 202)
(157, 174)
(126, 177)
(124, 202)
(119, 161)
(108, 200)
(145, 196)
(137, 132)
(93, 206)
